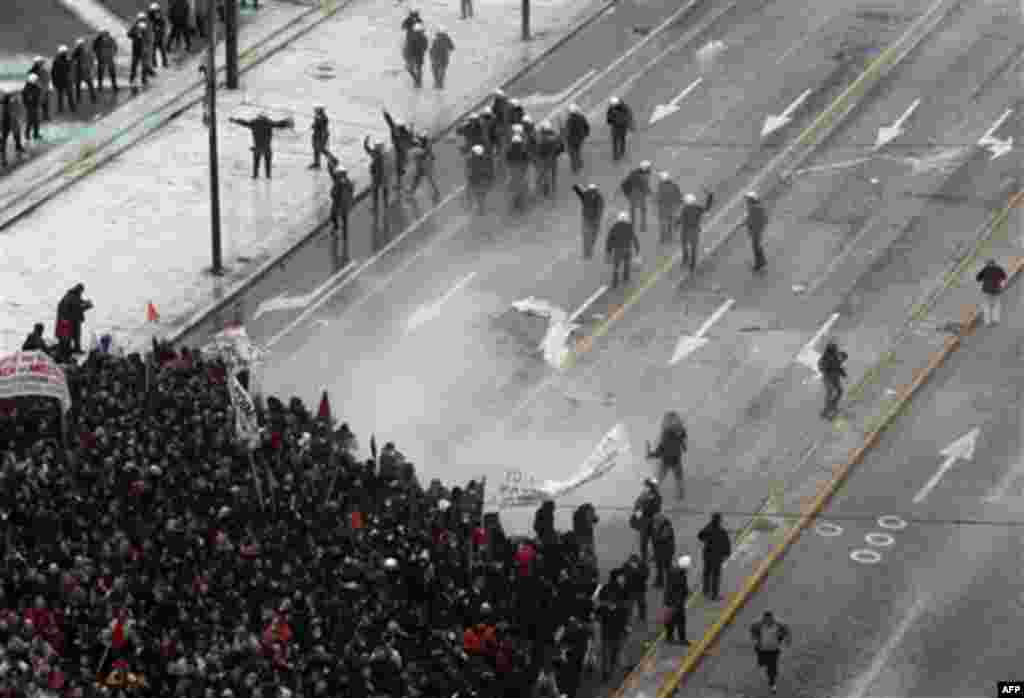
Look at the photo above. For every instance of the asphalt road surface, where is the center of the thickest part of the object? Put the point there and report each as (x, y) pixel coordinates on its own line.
(908, 584)
(423, 349)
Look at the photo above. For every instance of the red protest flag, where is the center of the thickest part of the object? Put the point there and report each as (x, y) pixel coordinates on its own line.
(325, 407)
(117, 638)
(151, 314)
(356, 517)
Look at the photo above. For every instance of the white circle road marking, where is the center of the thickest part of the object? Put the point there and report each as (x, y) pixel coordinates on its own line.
(866, 557)
(891, 522)
(829, 530)
(879, 540)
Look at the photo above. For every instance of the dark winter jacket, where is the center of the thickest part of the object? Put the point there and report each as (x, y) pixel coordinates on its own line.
(158, 22)
(671, 447)
(411, 20)
(637, 574)
(691, 214)
(61, 71)
(663, 536)
(34, 342)
(31, 97)
(544, 521)
(677, 589)
(72, 307)
(831, 364)
(83, 63)
(757, 218)
(178, 13)
(422, 156)
(717, 547)
(637, 184)
(577, 128)
(138, 38)
(44, 76)
(11, 112)
(321, 128)
(517, 155)
(105, 48)
(376, 161)
(992, 278)
(620, 117)
(416, 46)
(622, 239)
(669, 196)
(549, 147)
(769, 637)
(479, 170)
(262, 129)
(583, 521)
(342, 189)
(592, 201)
(613, 606)
(441, 48)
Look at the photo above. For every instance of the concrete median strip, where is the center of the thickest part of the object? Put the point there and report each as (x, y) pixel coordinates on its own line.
(826, 492)
(786, 162)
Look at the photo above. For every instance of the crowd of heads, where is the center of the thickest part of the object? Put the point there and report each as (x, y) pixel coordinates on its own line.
(143, 539)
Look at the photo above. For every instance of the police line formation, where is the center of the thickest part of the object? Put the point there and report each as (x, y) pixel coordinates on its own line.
(151, 35)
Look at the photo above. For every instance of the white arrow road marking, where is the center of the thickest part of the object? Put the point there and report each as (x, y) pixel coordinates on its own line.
(887, 134)
(426, 313)
(809, 355)
(540, 99)
(586, 304)
(691, 343)
(831, 166)
(1000, 490)
(997, 146)
(865, 680)
(774, 123)
(962, 448)
(283, 302)
(663, 110)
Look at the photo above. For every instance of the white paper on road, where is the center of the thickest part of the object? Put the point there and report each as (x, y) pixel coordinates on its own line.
(555, 345)
(520, 489)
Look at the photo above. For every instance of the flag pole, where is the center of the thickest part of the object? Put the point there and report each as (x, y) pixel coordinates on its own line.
(256, 480)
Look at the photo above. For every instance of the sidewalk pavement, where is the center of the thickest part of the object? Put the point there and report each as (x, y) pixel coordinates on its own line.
(863, 411)
(148, 238)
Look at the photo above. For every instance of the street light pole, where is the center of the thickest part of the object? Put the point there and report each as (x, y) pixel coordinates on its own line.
(526, 18)
(217, 268)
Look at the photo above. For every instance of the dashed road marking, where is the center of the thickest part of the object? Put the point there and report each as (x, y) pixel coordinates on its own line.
(866, 557)
(893, 523)
(829, 530)
(879, 540)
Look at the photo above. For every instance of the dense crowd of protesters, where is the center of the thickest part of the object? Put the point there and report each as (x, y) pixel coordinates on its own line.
(146, 545)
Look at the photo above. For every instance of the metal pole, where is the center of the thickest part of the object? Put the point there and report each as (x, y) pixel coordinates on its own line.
(526, 19)
(231, 42)
(211, 94)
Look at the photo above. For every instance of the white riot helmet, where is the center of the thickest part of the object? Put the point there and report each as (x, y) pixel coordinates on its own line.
(664, 175)
(79, 42)
(574, 109)
(62, 49)
(645, 165)
(441, 30)
(499, 92)
(38, 59)
(751, 195)
(33, 78)
(478, 150)
(141, 15)
(417, 27)
(154, 6)
(546, 125)
(623, 216)
(591, 187)
(515, 102)
(614, 101)
(684, 562)
(689, 199)
(527, 119)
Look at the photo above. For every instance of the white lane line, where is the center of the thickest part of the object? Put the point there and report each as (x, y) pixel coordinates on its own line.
(809, 354)
(804, 39)
(459, 192)
(283, 301)
(431, 311)
(864, 681)
(586, 304)
(540, 99)
(96, 16)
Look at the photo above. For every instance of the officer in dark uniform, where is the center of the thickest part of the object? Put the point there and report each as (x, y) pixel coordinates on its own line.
(40, 70)
(620, 246)
(593, 211)
(689, 221)
(342, 198)
(401, 141)
(105, 49)
(378, 176)
(677, 591)
(262, 128)
(577, 129)
(159, 24)
(137, 35)
(179, 15)
(415, 53)
(756, 221)
(620, 120)
(321, 135)
(10, 125)
(637, 188)
(472, 133)
(518, 159)
(669, 197)
(479, 175)
(423, 160)
(61, 73)
(83, 65)
(549, 148)
(515, 112)
(31, 98)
